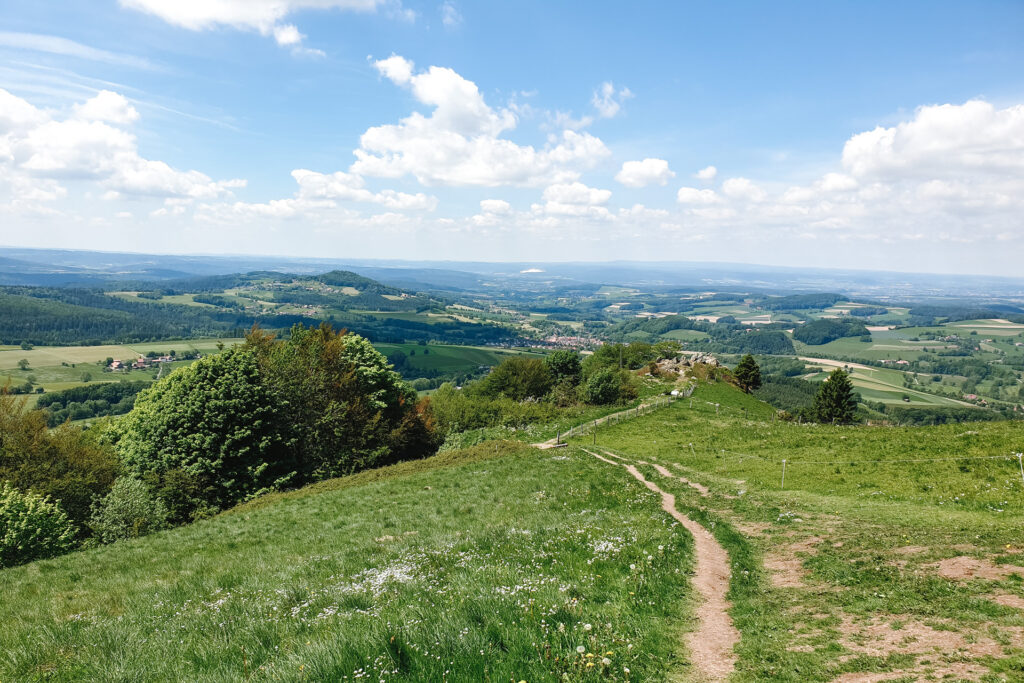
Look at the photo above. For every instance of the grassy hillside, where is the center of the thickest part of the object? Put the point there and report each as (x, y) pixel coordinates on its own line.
(864, 565)
(888, 554)
(495, 563)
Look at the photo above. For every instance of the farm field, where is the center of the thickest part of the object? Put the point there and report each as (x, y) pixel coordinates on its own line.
(55, 355)
(501, 562)
(879, 384)
(685, 335)
(449, 358)
(180, 299)
(863, 567)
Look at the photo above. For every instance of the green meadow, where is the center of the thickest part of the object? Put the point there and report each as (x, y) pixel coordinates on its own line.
(500, 562)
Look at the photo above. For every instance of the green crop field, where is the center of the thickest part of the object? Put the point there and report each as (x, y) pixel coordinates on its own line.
(685, 335)
(451, 358)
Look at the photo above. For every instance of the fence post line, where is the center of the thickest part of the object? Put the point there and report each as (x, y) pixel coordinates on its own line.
(1020, 462)
(783, 473)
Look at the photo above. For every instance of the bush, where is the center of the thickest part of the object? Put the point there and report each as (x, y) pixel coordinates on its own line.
(458, 410)
(128, 511)
(565, 366)
(628, 356)
(31, 527)
(519, 378)
(607, 386)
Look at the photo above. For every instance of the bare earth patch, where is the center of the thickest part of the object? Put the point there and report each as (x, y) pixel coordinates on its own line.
(786, 566)
(1008, 600)
(961, 671)
(878, 638)
(910, 550)
(965, 568)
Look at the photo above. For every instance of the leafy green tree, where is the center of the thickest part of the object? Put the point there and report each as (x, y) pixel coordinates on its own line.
(31, 527)
(346, 408)
(129, 511)
(23, 364)
(64, 464)
(565, 365)
(519, 378)
(25, 346)
(748, 374)
(835, 400)
(217, 417)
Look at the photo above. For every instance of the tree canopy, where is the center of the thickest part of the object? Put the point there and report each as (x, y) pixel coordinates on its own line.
(835, 400)
(748, 374)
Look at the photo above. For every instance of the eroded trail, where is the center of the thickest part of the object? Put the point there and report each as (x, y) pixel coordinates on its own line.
(711, 643)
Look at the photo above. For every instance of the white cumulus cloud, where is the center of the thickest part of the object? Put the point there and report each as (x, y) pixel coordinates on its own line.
(645, 172)
(946, 139)
(707, 173)
(92, 145)
(460, 142)
(107, 106)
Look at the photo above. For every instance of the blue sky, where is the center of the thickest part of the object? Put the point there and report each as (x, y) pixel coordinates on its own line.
(868, 135)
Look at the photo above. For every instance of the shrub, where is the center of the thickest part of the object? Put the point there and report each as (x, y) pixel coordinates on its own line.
(128, 511)
(519, 378)
(565, 366)
(603, 387)
(629, 356)
(31, 527)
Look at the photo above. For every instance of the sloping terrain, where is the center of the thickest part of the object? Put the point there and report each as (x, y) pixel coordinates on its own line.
(496, 563)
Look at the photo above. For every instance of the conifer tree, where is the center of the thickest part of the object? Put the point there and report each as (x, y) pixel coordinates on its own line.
(747, 374)
(835, 401)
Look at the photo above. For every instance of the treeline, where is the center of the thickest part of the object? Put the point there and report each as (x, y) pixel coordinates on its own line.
(727, 335)
(54, 316)
(90, 401)
(800, 302)
(824, 330)
(928, 314)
